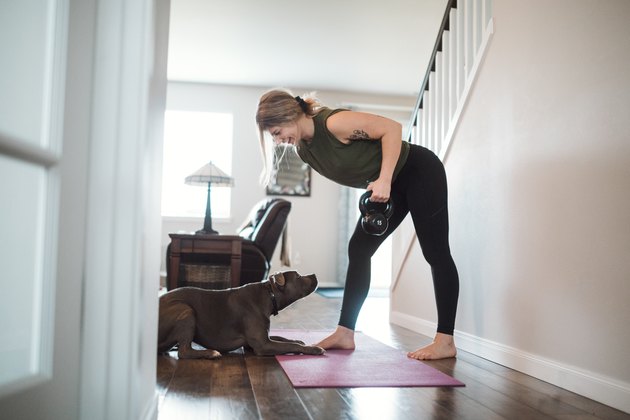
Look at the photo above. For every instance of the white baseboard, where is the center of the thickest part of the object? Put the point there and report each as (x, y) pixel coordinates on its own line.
(605, 390)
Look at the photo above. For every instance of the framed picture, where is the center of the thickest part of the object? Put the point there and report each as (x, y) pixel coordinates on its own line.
(290, 176)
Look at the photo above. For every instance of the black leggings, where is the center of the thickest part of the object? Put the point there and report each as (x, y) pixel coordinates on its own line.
(420, 188)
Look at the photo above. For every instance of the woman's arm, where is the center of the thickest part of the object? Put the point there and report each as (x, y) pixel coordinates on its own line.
(348, 126)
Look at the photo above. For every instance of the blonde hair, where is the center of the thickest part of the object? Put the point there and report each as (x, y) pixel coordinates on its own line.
(279, 107)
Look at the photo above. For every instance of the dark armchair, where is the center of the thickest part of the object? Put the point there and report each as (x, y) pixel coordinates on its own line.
(261, 232)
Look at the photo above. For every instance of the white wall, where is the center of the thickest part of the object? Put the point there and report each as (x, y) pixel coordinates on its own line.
(539, 175)
(313, 220)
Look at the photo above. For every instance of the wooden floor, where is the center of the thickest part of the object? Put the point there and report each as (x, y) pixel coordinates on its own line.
(243, 386)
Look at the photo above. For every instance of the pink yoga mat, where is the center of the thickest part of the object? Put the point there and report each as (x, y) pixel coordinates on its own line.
(372, 364)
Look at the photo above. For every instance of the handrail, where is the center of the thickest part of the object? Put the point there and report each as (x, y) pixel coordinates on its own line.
(444, 26)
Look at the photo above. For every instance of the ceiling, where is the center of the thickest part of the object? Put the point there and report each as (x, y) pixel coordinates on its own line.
(365, 46)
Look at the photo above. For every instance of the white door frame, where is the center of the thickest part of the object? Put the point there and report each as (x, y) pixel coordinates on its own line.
(123, 214)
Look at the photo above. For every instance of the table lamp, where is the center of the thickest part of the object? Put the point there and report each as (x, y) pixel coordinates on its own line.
(209, 174)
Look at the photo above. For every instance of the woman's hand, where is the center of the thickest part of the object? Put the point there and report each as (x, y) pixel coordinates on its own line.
(380, 190)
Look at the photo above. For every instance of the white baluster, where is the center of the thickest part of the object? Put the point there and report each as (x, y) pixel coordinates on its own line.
(429, 108)
(487, 13)
(477, 25)
(437, 91)
(461, 48)
(433, 107)
(469, 37)
(452, 79)
(425, 121)
(418, 128)
(446, 76)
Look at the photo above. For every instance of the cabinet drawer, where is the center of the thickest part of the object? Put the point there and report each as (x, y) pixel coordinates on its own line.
(213, 246)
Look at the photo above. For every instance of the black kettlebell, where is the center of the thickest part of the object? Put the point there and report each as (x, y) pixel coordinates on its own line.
(375, 216)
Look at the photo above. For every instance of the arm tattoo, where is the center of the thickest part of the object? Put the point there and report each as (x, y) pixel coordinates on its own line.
(359, 135)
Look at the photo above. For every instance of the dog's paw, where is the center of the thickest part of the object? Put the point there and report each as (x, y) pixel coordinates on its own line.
(212, 354)
(314, 350)
(198, 354)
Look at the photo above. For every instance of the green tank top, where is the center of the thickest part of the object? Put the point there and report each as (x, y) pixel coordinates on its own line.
(355, 164)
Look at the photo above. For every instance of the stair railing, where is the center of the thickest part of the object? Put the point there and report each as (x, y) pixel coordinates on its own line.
(466, 29)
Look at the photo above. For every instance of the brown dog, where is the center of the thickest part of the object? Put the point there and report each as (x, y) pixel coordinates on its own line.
(225, 320)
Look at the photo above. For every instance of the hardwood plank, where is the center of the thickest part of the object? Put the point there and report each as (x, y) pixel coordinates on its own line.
(504, 405)
(398, 403)
(551, 392)
(231, 394)
(188, 394)
(325, 403)
(275, 396)
(509, 402)
(458, 405)
(166, 365)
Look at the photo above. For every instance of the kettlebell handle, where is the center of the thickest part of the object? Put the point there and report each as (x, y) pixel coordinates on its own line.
(364, 202)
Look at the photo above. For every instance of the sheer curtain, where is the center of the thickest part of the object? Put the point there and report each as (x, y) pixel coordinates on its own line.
(347, 214)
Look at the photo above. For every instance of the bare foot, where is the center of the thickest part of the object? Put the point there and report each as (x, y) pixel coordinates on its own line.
(341, 339)
(443, 347)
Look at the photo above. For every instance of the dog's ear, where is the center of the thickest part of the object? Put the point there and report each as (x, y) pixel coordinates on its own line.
(278, 279)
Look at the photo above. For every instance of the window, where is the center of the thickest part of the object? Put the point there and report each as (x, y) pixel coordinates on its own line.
(192, 139)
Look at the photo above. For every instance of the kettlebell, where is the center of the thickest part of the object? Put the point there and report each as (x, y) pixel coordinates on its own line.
(375, 216)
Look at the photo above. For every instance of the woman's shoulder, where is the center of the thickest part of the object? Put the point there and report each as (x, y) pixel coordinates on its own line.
(324, 113)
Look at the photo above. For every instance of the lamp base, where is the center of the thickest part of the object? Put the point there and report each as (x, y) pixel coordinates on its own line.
(206, 232)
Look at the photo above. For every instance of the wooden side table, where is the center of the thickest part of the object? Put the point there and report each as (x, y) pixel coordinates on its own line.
(189, 245)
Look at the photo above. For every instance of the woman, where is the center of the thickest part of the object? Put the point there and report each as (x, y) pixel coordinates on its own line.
(366, 151)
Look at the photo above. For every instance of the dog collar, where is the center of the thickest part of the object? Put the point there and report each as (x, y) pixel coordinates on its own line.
(272, 295)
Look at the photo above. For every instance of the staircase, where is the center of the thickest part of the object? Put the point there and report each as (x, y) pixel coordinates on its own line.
(466, 28)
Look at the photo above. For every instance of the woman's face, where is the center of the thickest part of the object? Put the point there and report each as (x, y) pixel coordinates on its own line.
(285, 134)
